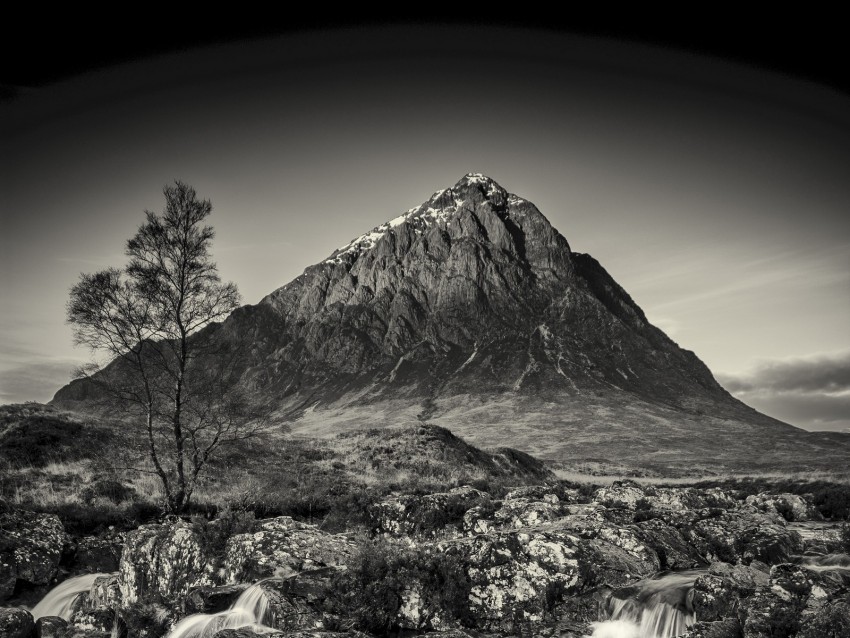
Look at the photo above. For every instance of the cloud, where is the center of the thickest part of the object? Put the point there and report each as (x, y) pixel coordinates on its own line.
(37, 381)
(813, 392)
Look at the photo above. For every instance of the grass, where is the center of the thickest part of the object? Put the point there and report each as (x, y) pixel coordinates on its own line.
(331, 482)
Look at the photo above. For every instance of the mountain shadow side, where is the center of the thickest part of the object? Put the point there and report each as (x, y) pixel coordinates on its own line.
(471, 312)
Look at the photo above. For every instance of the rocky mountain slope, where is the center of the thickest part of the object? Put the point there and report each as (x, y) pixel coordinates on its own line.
(471, 311)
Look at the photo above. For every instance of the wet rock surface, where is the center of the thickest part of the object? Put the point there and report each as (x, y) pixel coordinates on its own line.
(283, 547)
(51, 627)
(16, 623)
(31, 546)
(162, 563)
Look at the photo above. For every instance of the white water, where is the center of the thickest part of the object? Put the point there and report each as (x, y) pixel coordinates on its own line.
(657, 608)
(59, 600)
(250, 610)
(827, 562)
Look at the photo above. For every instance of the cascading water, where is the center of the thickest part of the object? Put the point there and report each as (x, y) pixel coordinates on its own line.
(826, 562)
(251, 609)
(654, 608)
(59, 601)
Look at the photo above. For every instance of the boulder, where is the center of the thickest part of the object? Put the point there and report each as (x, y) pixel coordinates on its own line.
(767, 615)
(612, 554)
(832, 620)
(425, 515)
(247, 632)
(729, 628)
(8, 576)
(211, 600)
(30, 549)
(777, 609)
(50, 627)
(673, 551)
(161, 563)
(528, 508)
(621, 494)
(517, 577)
(478, 520)
(718, 594)
(16, 623)
(791, 507)
(298, 602)
(283, 547)
(95, 609)
(543, 493)
(97, 554)
(744, 535)
(105, 592)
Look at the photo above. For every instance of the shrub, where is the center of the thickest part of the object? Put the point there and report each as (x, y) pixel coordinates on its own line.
(213, 535)
(831, 621)
(138, 620)
(80, 519)
(370, 592)
(107, 488)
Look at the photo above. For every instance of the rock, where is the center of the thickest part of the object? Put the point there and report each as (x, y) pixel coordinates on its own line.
(767, 615)
(744, 535)
(714, 598)
(50, 627)
(478, 520)
(97, 554)
(791, 507)
(832, 620)
(105, 592)
(86, 617)
(791, 582)
(621, 494)
(425, 515)
(298, 602)
(611, 554)
(211, 600)
(16, 623)
(543, 493)
(283, 547)
(161, 563)
(30, 549)
(729, 628)
(718, 594)
(673, 551)
(95, 609)
(529, 507)
(8, 577)
(245, 632)
(517, 577)
(777, 609)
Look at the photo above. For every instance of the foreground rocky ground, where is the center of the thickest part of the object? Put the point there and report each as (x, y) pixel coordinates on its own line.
(543, 560)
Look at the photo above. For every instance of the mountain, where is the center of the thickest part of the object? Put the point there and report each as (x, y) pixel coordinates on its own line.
(471, 311)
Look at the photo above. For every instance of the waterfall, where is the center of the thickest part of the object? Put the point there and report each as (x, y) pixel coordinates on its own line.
(654, 608)
(60, 600)
(826, 562)
(250, 610)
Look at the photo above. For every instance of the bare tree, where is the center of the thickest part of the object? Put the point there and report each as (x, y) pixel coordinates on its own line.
(169, 367)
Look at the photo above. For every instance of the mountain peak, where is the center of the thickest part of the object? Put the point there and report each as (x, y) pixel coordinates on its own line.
(468, 194)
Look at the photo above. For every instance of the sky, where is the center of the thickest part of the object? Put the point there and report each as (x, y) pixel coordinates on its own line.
(714, 193)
